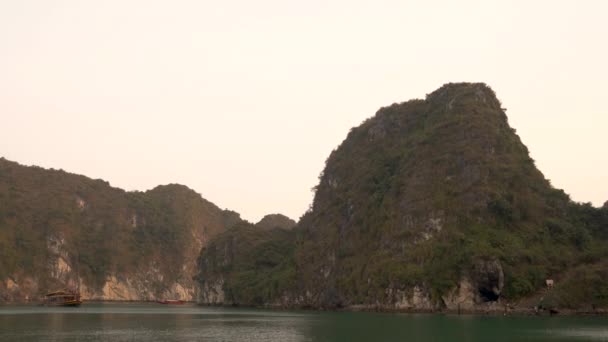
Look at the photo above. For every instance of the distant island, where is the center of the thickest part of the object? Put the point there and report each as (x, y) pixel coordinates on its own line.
(430, 205)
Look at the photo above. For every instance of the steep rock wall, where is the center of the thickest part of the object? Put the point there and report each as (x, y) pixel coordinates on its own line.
(64, 231)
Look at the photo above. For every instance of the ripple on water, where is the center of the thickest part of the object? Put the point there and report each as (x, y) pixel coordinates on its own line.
(587, 334)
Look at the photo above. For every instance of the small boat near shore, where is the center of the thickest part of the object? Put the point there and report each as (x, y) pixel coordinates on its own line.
(62, 298)
(171, 302)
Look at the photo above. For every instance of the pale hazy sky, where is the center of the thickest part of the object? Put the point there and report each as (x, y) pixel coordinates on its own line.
(244, 100)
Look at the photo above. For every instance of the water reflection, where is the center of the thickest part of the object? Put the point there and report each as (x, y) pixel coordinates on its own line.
(149, 322)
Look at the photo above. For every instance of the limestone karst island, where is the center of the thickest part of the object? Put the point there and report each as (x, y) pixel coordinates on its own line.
(430, 205)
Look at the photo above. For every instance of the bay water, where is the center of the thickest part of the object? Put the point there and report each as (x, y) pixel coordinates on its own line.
(154, 322)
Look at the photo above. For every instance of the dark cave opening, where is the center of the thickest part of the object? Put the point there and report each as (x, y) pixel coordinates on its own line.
(488, 295)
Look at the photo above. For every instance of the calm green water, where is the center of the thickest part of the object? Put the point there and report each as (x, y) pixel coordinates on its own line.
(152, 322)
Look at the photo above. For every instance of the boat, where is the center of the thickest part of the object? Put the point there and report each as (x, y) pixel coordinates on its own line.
(171, 301)
(62, 298)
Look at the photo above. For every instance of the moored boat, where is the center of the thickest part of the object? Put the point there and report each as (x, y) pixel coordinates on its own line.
(62, 298)
(171, 301)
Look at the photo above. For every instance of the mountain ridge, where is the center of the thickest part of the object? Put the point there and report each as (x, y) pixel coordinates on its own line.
(63, 230)
(429, 205)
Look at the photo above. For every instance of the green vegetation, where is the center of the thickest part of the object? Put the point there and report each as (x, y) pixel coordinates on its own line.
(423, 195)
(256, 264)
(585, 287)
(420, 195)
(99, 230)
(417, 193)
(276, 221)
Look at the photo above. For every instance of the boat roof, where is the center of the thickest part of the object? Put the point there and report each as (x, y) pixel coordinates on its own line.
(60, 293)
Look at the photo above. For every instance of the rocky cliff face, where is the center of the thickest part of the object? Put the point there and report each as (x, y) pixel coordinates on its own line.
(60, 230)
(247, 265)
(440, 195)
(431, 204)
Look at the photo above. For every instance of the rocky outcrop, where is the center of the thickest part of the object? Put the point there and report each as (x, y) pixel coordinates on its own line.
(407, 198)
(488, 280)
(464, 296)
(483, 285)
(64, 231)
(138, 288)
(246, 265)
(18, 289)
(416, 299)
(212, 293)
(431, 204)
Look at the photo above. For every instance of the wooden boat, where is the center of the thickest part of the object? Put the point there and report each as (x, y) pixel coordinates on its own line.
(62, 298)
(171, 301)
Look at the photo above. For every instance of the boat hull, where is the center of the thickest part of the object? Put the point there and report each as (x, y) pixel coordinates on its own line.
(66, 303)
(171, 302)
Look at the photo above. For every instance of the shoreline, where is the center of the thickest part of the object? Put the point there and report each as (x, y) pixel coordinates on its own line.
(513, 311)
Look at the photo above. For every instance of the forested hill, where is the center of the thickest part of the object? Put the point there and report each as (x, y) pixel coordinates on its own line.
(276, 221)
(61, 230)
(430, 204)
(440, 195)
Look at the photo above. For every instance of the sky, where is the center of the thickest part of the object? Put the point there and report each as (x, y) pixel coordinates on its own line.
(244, 100)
